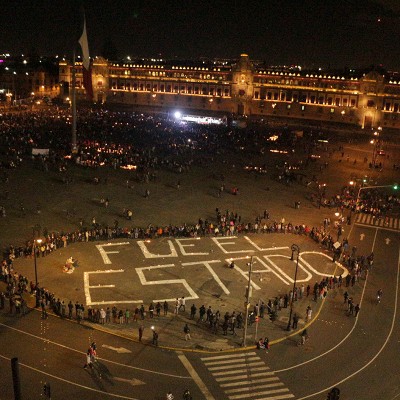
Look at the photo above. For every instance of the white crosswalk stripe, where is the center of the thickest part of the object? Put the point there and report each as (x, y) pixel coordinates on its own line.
(260, 374)
(384, 223)
(245, 376)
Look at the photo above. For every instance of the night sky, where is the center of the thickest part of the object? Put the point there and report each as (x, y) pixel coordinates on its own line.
(311, 33)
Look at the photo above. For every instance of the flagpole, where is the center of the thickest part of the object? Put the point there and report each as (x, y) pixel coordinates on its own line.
(73, 138)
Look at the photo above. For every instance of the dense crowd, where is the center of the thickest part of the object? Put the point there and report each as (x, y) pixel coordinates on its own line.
(122, 138)
(148, 143)
(369, 201)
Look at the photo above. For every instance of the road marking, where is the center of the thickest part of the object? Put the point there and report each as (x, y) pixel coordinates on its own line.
(362, 236)
(249, 381)
(323, 391)
(245, 383)
(309, 276)
(182, 247)
(245, 274)
(183, 282)
(273, 391)
(211, 271)
(119, 350)
(233, 360)
(387, 241)
(264, 249)
(239, 371)
(199, 382)
(368, 220)
(104, 253)
(100, 392)
(87, 288)
(133, 381)
(282, 397)
(237, 365)
(247, 389)
(102, 358)
(220, 245)
(227, 356)
(147, 254)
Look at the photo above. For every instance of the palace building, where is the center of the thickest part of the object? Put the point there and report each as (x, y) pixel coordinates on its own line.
(244, 87)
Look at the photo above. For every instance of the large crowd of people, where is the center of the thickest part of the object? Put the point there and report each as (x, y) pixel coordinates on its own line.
(225, 223)
(148, 143)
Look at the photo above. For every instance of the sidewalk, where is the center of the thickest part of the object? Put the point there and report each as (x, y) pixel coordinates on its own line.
(172, 336)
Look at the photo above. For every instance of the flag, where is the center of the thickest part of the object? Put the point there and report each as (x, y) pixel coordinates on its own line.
(86, 64)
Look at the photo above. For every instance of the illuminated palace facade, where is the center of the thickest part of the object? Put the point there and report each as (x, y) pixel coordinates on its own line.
(244, 88)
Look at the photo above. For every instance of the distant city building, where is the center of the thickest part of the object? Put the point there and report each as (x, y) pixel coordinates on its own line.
(242, 87)
(23, 78)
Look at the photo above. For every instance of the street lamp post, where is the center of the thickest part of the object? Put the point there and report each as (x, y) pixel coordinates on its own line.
(377, 144)
(247, 304)
(36, 241)
(295, 249)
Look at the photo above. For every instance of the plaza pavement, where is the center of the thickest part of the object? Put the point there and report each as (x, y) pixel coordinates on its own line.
(199, 200)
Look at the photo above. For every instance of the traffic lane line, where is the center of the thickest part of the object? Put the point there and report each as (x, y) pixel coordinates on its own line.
(58, 378)
(199, 382)
(100, 358)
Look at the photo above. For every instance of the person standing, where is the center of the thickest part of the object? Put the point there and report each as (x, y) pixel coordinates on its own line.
(182, 303)
(114, 313)
(165, 308)
(76, 309)
(151, 310)
(142, 312)
(121, 316)
(186, 329)
(102, 316)
(193, 310)
(308, 314)
(88, 362)
(356, 310)
(43, 307)
(127, 316)
(295, 321)
(141, 330)
(345, 297)
(266, 344)
(158, 309)
(70, 308)
(155, 338)
(304, 337)
(202, 312)
(108, 315)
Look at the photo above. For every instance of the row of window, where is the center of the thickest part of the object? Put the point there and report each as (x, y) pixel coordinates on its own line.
(389, 106)
(307, 83)
(170, 88)
(329, 100)
(181, 75)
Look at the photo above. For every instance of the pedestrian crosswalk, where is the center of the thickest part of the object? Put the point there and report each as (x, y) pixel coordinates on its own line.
(245, 376)
(385, 223)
